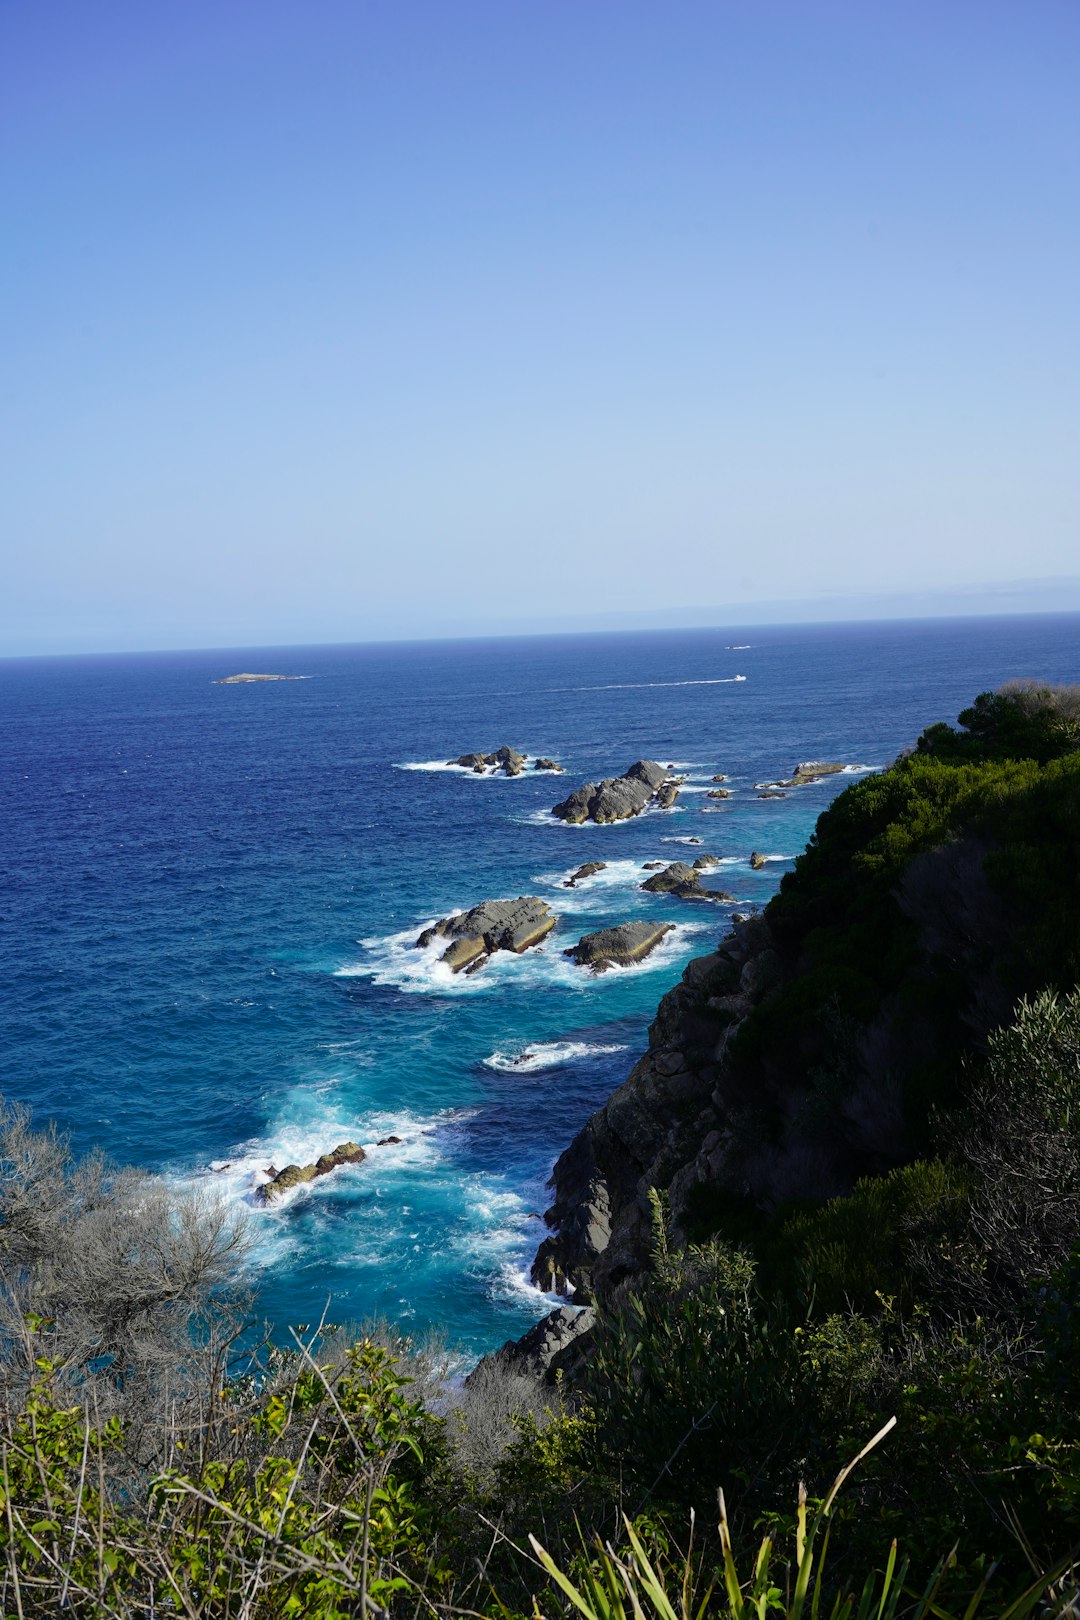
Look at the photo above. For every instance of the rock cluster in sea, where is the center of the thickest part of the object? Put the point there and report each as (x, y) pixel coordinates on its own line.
(617, 798)
(684, 882)
(493, 925)
(504, 759)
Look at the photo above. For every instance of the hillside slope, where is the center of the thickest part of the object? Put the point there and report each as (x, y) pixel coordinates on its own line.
(825, 1040)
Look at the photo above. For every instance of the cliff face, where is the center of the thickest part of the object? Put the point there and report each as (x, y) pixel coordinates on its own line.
(815, 1044)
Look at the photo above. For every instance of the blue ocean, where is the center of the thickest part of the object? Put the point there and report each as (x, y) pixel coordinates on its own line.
(212, 892)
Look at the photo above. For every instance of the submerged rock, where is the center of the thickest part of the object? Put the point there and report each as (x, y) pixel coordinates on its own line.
(772, 793)
(589, 870)
(616, 798)
(618, 946)
(493, 925)
(296, 1175)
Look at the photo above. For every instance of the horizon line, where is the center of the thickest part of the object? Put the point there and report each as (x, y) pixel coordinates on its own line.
(742, 626)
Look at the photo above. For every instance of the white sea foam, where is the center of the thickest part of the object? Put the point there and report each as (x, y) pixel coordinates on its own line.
(546, 1055)
(684, 838)
(593, 893)
(615, 874)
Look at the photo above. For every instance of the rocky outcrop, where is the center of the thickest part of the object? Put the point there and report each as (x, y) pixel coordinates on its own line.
(682, 881)
(757, 861)
(719, 777)
(616, 798)
(556, 1344)
(802, 776)
(705, 862)
(718, 793)
(666, 795)
(588, 870)
(295, 1175)
(673, 1122)
(504, 759)
(773, 1076)
(543, 764)
(812, 769)
(773, 793)
(494, 925)
(619, 946)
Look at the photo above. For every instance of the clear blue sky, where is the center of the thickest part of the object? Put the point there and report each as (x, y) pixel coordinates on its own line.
(335, 319)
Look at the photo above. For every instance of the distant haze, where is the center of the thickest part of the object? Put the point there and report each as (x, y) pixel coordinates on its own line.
(387, 318)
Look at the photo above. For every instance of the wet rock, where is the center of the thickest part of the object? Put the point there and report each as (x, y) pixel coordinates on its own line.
(652, 866)
(544, 764)
(388, 1141)
(589, 870)
(773, 793)
(505, 759)
(757, 861)
(618, 946)
(494, 925)
(683, 882)
(666, 795)
(718, 793)
(704, 862)
(719, 777)
(297, 1175)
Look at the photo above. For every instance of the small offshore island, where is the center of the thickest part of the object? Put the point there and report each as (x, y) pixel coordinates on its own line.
(237, 680)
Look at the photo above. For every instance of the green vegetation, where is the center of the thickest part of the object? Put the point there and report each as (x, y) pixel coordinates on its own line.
(923, 1326)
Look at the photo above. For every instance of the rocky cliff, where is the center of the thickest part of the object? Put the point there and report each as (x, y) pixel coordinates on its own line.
(820, 1041)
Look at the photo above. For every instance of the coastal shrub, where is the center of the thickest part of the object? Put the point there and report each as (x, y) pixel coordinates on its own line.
(852, 1252)
(129, 1289)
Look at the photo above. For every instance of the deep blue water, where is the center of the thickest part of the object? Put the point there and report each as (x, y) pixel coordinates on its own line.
(211, 891)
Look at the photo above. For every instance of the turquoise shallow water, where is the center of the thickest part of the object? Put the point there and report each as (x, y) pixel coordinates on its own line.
(211, 892)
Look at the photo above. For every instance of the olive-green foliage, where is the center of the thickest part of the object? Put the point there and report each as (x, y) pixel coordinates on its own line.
(848, 1253)
(324, 1495)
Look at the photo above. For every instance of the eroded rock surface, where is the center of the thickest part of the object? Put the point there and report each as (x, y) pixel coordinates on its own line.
(618, 946)
(616, 798)
(493, 925)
